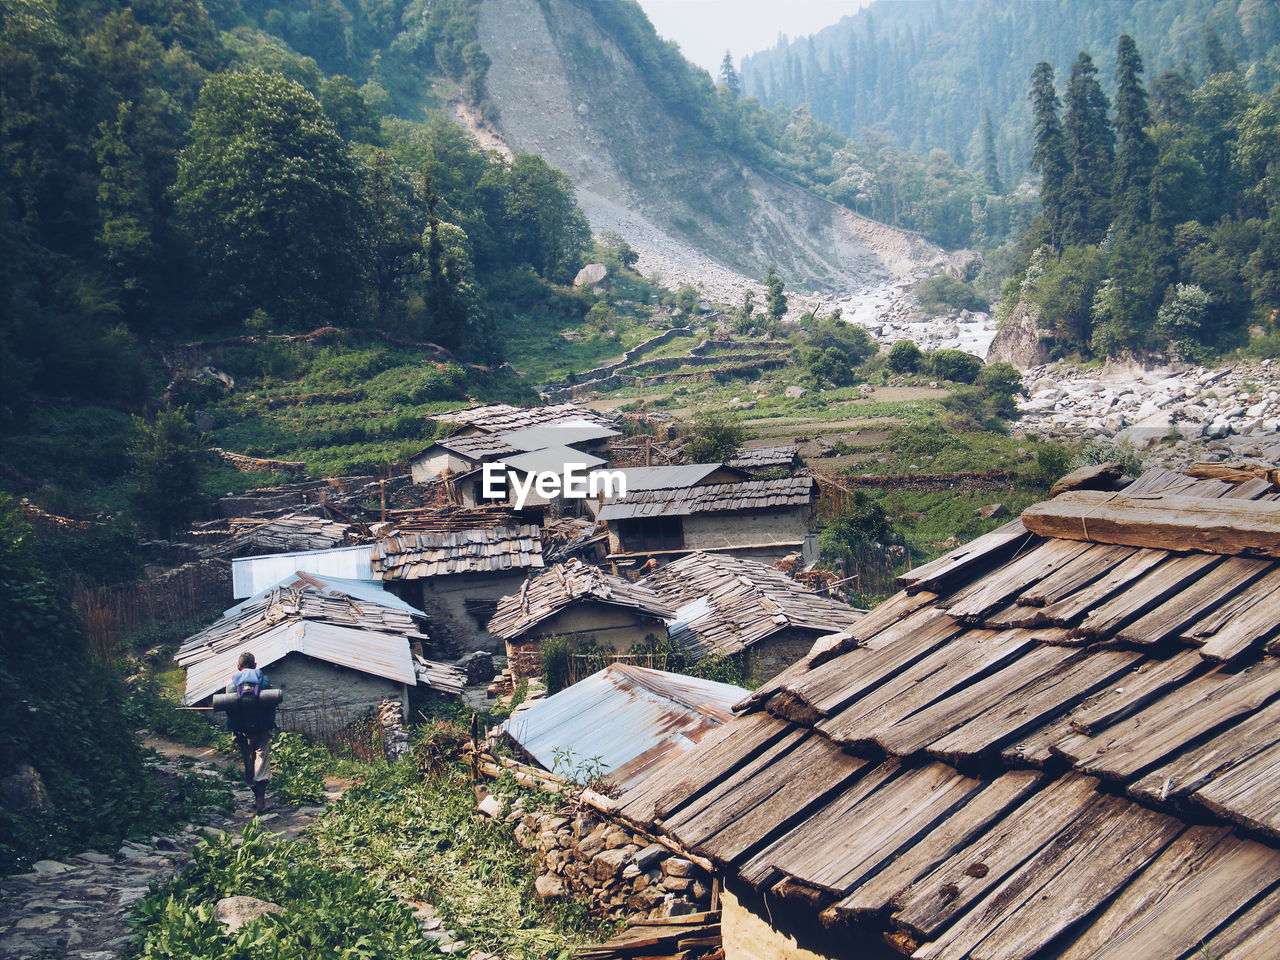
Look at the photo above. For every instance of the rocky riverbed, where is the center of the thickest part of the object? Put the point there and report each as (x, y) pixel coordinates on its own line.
(889, 313)
(1173, 415)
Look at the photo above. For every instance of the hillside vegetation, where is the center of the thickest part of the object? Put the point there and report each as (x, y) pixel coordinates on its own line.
(924, 74)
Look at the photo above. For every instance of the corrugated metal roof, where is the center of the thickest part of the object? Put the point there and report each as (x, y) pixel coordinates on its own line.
(711, 498)
(667, 478)
(555, 460)
(361, 628)
(250, 575)
(556, 435)
(629, 719)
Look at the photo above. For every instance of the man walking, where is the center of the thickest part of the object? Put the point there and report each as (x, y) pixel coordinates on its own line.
(251, 721)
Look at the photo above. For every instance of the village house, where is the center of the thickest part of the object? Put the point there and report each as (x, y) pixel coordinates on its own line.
(621, 723)
(580, 603)
(671, 477)
(1060, 740)
(463, 453)
(733, 607)
(763, 519)
(337, 648)
(456, 564)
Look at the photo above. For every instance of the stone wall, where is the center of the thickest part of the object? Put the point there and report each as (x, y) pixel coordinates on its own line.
(769, 657)
(320, 696)
(454, 631)
(616, 871)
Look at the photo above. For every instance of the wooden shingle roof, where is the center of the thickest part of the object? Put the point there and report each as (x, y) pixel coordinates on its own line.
(502, 417)
(564, 585)
(762, 458)
(712, 498)
(290, 533)
(437, 546)
(725, 604)
(1042, 746)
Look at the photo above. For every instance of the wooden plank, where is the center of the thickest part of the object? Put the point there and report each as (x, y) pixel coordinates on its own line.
(949, 890)
(797, 785)
(1149, 681)
(1033, 705)
(876, 891)
(1248, 793)
(1067, 610)
(790, 853)
(1035, 749)
(719, 754)
(1081, 571)
(1198, 766)
(914, 733)
(862, 827)
(993, 590)
(843, 680)
(1231, 527)
(1192, 602)
(965, 561)
(1255, 488)
(973, 654)
(1155, 588)
(1197, 884)
(1063, 881)
(1222, 616)
(1252, 935)
(1166, 726)
(1159, 480)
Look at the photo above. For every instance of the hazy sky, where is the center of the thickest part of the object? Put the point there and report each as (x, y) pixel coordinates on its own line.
(706, 28)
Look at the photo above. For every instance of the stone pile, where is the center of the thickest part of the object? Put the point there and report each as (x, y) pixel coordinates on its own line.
(889, 313)
(1177, 415)
(617, 872)
(395, 738)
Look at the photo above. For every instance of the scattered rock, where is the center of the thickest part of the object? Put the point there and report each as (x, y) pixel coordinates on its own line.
(491, 806)
(548, 886)
(49, 867)
(794, 392)
(1093, 476)
(236, 912)
(993, 510)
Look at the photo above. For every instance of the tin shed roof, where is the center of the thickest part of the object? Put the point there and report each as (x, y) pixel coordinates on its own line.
(626, 719)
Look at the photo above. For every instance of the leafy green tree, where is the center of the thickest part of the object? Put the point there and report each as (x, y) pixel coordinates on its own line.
(714, 436)
(1182, 319)
(1090, 146)
(395, 225)
(775, 300)
(168, 466)
(269, 197)
(540, 220)
(954, 365)
(1065, 291)
(904, 357)
(347, 109)
(457, 315)
(1049, 156)
(1135, 150)
(124, 203)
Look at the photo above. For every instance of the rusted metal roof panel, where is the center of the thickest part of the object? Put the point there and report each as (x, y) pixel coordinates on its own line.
(625, 721)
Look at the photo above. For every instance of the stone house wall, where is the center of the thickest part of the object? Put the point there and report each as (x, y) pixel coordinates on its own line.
(608, 625)
(767, 658)
(615, 870)
(322, 696)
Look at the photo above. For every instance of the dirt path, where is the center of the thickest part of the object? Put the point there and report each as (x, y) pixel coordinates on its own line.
(76, 907)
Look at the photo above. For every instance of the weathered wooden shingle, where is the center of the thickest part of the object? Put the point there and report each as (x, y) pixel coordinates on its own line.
(1039, 745)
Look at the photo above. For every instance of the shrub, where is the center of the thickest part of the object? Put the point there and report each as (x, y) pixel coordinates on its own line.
(1052, 461)
(942, 294)
(954, 365)
(714, 437)
(904, 357)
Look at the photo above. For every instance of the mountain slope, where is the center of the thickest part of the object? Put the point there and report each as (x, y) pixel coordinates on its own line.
(924, 72)
(567, 90)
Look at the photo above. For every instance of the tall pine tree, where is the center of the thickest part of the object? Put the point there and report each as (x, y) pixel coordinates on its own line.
(1049, 155)
(1090, 145)
(729, 76)
(990, 166)
(1135, 150)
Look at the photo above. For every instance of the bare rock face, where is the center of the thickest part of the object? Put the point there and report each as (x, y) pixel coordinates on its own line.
(236, 912)
(1018, 341)
(591, 275)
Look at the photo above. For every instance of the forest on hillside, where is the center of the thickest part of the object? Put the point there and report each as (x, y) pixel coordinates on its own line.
(1160, 223)
(181, 171)
(925, 73)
